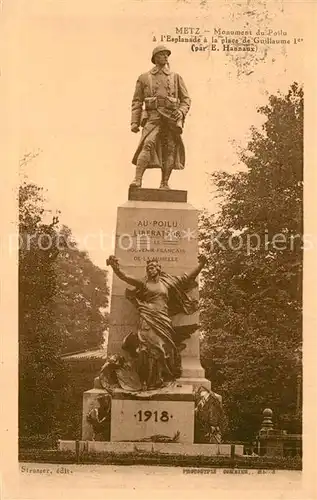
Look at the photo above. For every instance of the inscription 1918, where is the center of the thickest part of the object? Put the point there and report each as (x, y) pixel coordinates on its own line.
(144, 416)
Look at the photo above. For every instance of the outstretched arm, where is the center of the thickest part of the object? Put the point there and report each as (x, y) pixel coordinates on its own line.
(194, 273)
(131, 280)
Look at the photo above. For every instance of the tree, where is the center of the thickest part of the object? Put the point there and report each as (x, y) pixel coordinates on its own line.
(252, 289)
(82, 297)
(62, 302)
(40, 368)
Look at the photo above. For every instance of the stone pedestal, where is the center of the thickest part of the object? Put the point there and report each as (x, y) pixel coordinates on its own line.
(160, 224)
(166, 415)
(89, 402)
(150, 226)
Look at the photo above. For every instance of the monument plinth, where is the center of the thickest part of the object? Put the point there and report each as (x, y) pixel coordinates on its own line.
(167, 415)
(167, 231)
(164, 233)
(145, 194)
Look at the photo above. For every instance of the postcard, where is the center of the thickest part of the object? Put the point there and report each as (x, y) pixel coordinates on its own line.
(158, 249)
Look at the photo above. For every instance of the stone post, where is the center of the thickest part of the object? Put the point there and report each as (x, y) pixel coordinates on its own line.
(271, 440)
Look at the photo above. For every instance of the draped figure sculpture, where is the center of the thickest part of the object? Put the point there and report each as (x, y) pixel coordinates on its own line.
(155, 348)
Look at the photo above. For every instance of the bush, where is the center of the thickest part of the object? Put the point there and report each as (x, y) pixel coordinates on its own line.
(41, 442)
(145, 458)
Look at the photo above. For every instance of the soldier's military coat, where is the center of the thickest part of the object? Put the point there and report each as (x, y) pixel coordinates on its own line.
(164, 90)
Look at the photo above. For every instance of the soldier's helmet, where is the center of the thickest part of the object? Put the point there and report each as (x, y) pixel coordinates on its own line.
(159, 48)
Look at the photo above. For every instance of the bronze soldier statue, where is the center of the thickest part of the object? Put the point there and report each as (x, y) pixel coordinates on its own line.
(160, 105)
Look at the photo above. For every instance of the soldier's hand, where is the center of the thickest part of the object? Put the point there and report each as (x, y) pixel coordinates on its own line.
(177, 115)
(134, 128)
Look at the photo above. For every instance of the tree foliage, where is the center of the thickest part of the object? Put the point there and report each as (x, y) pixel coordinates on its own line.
(82, 297)
(62, 298)
(40, 368)
(252, 296)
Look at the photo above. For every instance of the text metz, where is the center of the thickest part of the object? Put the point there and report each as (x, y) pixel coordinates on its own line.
(187, 30)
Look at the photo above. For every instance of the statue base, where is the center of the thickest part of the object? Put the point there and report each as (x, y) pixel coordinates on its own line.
(166, 415)
(154, 223)
(145, 194)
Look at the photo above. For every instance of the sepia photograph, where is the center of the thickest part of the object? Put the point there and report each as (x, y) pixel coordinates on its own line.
(159, 254)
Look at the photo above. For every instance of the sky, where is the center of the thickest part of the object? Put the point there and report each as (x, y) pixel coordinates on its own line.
(75, 66)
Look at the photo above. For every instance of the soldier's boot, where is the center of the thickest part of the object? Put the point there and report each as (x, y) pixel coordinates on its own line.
(166, 173)
(137, 181)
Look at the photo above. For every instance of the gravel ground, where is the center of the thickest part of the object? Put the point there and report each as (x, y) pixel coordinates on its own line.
(50, 481)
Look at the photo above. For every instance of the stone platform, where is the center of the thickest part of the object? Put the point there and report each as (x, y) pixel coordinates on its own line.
(193, 450)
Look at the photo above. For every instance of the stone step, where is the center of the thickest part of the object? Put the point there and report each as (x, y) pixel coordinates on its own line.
(163, 448)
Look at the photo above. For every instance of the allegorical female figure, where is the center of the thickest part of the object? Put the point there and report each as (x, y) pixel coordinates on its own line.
(156, 346)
